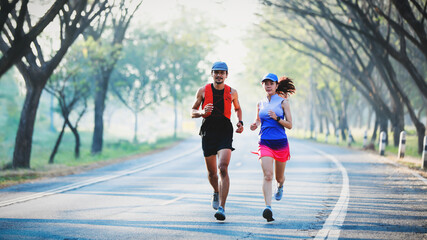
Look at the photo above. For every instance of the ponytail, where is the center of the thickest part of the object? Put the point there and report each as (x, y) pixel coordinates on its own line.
(286, 86)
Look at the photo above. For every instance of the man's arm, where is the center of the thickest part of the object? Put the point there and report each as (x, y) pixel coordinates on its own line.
(238, 109)
(196, 113)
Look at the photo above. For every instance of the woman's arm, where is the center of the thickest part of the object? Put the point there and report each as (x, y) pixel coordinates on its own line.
(257, 120)
(287, 121)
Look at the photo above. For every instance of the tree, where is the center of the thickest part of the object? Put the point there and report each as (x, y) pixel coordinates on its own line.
(184, 52)
(16, 49)
(352, 31)
(138, 79)
(36, 70)
(71, 88)
(160, 64)
(120, 17)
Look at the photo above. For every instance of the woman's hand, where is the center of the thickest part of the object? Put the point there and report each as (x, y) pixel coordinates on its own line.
(254, 126)
(272, 114)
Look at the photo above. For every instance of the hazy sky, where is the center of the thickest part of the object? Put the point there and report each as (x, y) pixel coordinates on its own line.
(234, 18)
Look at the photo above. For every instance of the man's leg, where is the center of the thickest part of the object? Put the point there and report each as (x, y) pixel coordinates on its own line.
(212, 171)
(224, 156)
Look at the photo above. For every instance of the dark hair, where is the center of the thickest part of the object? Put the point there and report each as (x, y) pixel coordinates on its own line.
(286, 86)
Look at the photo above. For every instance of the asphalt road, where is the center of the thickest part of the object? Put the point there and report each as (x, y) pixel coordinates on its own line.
(330, 193)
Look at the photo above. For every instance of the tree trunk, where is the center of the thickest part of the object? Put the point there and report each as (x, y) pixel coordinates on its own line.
(24, 135)
(321, 124)
(76, 138)
(421, 132)
(175, 108)
(58, 142)
(369, 119)
(374, 133)
(101, 89)
(135, 128)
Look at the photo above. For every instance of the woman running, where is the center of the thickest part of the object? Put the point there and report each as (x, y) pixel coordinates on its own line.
(274, 115)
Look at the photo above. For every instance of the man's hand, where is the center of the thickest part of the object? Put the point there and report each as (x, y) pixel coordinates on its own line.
(239, 127)
(208, 109)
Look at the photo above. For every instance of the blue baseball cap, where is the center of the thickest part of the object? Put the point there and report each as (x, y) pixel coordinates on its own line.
(270, 76)
(220, 66)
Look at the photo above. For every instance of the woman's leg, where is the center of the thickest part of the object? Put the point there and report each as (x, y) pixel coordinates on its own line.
(280, 173)
(267, 168)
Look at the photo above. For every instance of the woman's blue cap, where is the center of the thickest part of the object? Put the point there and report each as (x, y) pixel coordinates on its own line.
(220, 66)
(270, 76)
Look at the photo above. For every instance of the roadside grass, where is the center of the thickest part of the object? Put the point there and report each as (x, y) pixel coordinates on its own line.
(114, 150)
(412, 159)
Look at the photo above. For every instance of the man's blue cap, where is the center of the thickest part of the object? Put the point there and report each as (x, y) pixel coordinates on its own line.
(270, 76)
(220, 66)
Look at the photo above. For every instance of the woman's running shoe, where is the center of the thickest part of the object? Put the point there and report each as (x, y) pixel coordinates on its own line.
(220, 214)
(268, 214)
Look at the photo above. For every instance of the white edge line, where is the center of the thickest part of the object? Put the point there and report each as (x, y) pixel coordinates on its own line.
(421, 178)
(173, 200)
(91, 181)
(331, 227)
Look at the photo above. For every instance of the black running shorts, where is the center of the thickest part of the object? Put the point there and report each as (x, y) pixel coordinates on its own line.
(217, 134)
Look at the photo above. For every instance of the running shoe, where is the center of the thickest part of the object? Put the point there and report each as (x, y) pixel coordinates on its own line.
(268, 214)
(279, 193)
(220, 214)
(215, 201)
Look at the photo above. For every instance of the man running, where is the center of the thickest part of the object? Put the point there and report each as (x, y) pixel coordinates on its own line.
(217, 131)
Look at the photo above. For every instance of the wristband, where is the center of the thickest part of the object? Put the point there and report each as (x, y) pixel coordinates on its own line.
(241, 122)
(278, 118)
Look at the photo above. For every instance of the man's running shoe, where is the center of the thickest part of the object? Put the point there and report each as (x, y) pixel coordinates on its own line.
(279, 193)
(215, 201)
(220, 214)
(268, 214)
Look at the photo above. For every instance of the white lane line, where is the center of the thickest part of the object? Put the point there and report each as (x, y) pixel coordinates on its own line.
(173, 200)
(421, 178)
(93, 180)
(401, 166)
(332, 227)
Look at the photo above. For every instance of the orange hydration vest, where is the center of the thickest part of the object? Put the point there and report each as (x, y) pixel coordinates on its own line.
(227, 99)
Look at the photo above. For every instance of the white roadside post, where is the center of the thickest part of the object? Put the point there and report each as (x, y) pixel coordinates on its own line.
(424, 159)
(326, 137)
(402, 143)
(365, 139)
(382, 143)
(349, 138)
(338, 137)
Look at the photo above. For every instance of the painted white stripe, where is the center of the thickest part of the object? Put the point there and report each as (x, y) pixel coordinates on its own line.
(421, 178)
(173, 200)
(332, 227)
(93, 180)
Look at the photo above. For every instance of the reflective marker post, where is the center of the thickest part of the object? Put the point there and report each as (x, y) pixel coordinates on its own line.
(402, 143)
(382, 143)
(365, 139)
(424, 158)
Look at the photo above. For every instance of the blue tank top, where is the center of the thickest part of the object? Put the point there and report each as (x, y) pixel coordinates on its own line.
(270, 128)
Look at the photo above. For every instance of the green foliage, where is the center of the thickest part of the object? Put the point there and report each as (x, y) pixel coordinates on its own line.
(10, 105)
